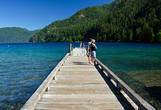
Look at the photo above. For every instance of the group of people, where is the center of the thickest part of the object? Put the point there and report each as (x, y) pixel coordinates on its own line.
(82, 44)
(91, 51)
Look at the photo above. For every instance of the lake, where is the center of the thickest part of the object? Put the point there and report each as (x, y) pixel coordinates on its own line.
(23, 67)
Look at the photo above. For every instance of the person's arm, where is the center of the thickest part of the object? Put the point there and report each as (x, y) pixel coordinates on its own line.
(95, 46)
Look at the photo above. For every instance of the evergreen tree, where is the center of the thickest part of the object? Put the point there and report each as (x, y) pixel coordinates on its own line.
(121, 21)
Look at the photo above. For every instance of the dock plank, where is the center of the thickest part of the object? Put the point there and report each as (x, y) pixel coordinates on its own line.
(74, 84)
(78, 86)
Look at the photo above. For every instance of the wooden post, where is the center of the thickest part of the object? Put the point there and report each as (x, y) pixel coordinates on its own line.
(70, 48)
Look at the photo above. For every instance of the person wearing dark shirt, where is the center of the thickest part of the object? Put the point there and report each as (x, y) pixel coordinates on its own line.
(93, 48)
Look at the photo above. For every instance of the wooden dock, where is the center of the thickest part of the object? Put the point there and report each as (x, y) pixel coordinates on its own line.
(74, 84)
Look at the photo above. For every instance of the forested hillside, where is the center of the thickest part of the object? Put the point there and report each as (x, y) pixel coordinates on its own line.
(15, 35)
(121, 21)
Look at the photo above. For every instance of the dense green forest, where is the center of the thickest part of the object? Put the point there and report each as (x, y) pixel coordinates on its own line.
(121, 21)
(15, 35)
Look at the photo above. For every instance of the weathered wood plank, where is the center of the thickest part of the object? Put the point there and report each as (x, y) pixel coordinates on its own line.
(78, 69)
(71, 73)
(87, 86)
(92, 96)
(95, 100)
(111, 106)
(76, 86)
(76, 82)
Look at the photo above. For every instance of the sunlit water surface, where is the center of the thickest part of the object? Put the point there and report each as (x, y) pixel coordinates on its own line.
(23, 67)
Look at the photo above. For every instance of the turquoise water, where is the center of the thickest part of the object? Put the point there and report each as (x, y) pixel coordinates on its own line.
(23, 67)
(139, 65)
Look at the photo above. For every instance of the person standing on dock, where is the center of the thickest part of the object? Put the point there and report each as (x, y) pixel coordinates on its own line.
(89, 51)
(81, 44)
(93, 51)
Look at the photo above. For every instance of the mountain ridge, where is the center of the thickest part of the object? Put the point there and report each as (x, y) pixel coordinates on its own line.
(15, 35)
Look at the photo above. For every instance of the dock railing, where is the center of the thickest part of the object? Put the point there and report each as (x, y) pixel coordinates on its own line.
(31, 103)
(124, 88)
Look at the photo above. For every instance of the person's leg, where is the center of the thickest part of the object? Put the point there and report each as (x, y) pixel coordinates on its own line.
(89, 58)
(93, 56)
(92, 59)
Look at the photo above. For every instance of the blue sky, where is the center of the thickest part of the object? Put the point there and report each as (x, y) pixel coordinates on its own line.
(35, 14)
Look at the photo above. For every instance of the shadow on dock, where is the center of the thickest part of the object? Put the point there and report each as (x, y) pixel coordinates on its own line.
(123, 101)
(81, 63)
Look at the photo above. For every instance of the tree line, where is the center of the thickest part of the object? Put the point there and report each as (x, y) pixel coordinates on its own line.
(120, 21)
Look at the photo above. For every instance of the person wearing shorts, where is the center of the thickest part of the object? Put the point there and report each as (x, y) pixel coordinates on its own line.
(93, 51)
(89, 52)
